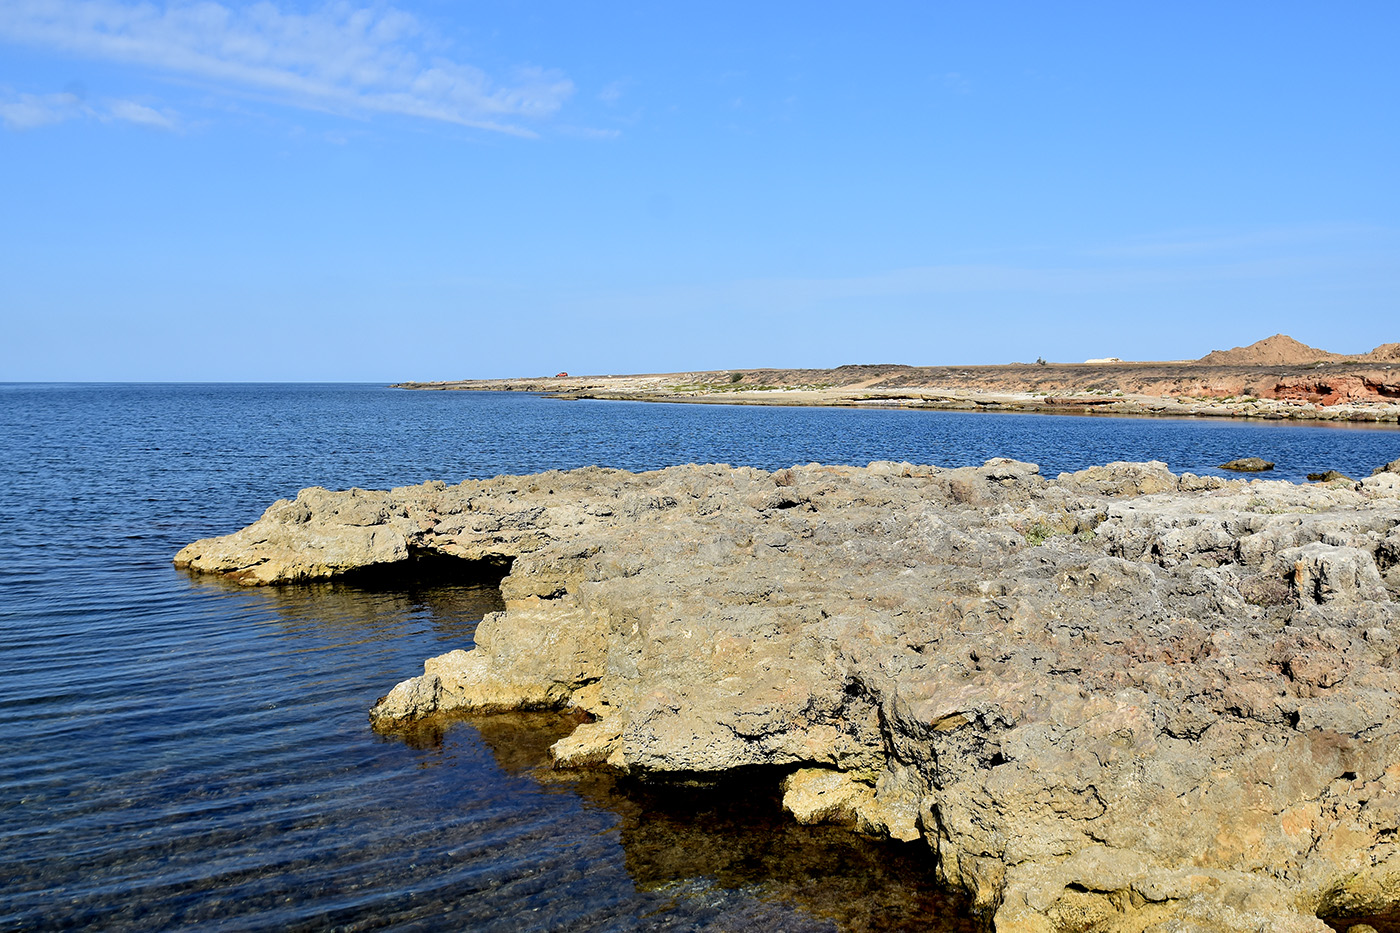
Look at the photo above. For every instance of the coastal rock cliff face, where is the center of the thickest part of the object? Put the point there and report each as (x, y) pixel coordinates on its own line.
(1120, 700)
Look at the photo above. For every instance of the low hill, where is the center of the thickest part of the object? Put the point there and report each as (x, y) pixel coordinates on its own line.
(1385, 353)
(1278, 350)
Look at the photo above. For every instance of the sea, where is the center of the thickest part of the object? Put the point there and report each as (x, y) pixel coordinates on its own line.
(176, 752)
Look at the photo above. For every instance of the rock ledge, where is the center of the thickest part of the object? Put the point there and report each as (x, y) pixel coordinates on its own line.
(1119, 700)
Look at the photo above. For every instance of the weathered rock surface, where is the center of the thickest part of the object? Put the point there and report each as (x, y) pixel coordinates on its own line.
(1120, 700)
(1248, 465)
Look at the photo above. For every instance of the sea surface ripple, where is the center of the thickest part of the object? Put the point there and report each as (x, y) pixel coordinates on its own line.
(178, 752)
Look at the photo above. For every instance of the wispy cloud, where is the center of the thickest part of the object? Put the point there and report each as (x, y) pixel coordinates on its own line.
(30, 111)
(132, 112)
(587, 132)
(339, 57)
(1190, 244)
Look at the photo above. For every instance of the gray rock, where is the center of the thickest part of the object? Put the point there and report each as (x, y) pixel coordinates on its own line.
(1120, 699)
(1323, 573)
(1122, 479)
(1391, 467)
(319, 535)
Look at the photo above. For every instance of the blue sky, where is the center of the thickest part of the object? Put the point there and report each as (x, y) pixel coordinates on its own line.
(435, 190)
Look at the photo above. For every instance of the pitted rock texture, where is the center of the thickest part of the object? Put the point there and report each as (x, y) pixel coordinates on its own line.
(1120, 700)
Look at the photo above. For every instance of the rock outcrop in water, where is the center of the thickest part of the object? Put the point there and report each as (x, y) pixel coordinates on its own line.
(1120, 700)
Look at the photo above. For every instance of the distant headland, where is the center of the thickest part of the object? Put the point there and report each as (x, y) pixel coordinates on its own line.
(1276, 378)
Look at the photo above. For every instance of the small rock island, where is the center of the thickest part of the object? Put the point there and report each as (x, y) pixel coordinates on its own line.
(1117, 700)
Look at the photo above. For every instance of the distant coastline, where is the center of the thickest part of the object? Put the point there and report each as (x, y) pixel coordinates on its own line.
(1274, 379)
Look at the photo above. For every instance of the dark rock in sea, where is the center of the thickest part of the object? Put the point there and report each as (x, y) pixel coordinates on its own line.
(1248, 465)
(1391, 467)
(1329, 476)
(1121, 699)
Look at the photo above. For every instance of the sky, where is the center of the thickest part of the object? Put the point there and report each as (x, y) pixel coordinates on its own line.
(280, 191)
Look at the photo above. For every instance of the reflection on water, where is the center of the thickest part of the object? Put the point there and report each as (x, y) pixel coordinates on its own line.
(1381, 924)
(731, 835)
(333, 611)
(214, 766)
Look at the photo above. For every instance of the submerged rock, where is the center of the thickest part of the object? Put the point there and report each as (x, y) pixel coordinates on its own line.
(1121, 699)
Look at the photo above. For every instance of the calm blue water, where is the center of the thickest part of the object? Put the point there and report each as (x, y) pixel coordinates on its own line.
(177, 752)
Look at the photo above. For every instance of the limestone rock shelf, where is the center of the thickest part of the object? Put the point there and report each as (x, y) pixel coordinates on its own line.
(1121, 699)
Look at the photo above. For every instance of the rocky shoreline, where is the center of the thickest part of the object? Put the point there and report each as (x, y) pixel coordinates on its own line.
(1274, 379)
(716, 389)
(1120, 699)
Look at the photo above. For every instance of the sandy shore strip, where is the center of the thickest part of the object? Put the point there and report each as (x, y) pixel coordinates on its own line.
(1327, 391)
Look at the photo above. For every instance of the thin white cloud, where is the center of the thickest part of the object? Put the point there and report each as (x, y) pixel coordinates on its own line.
(31, 111)
(339, 57)
(140, 114)
(588, 132)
